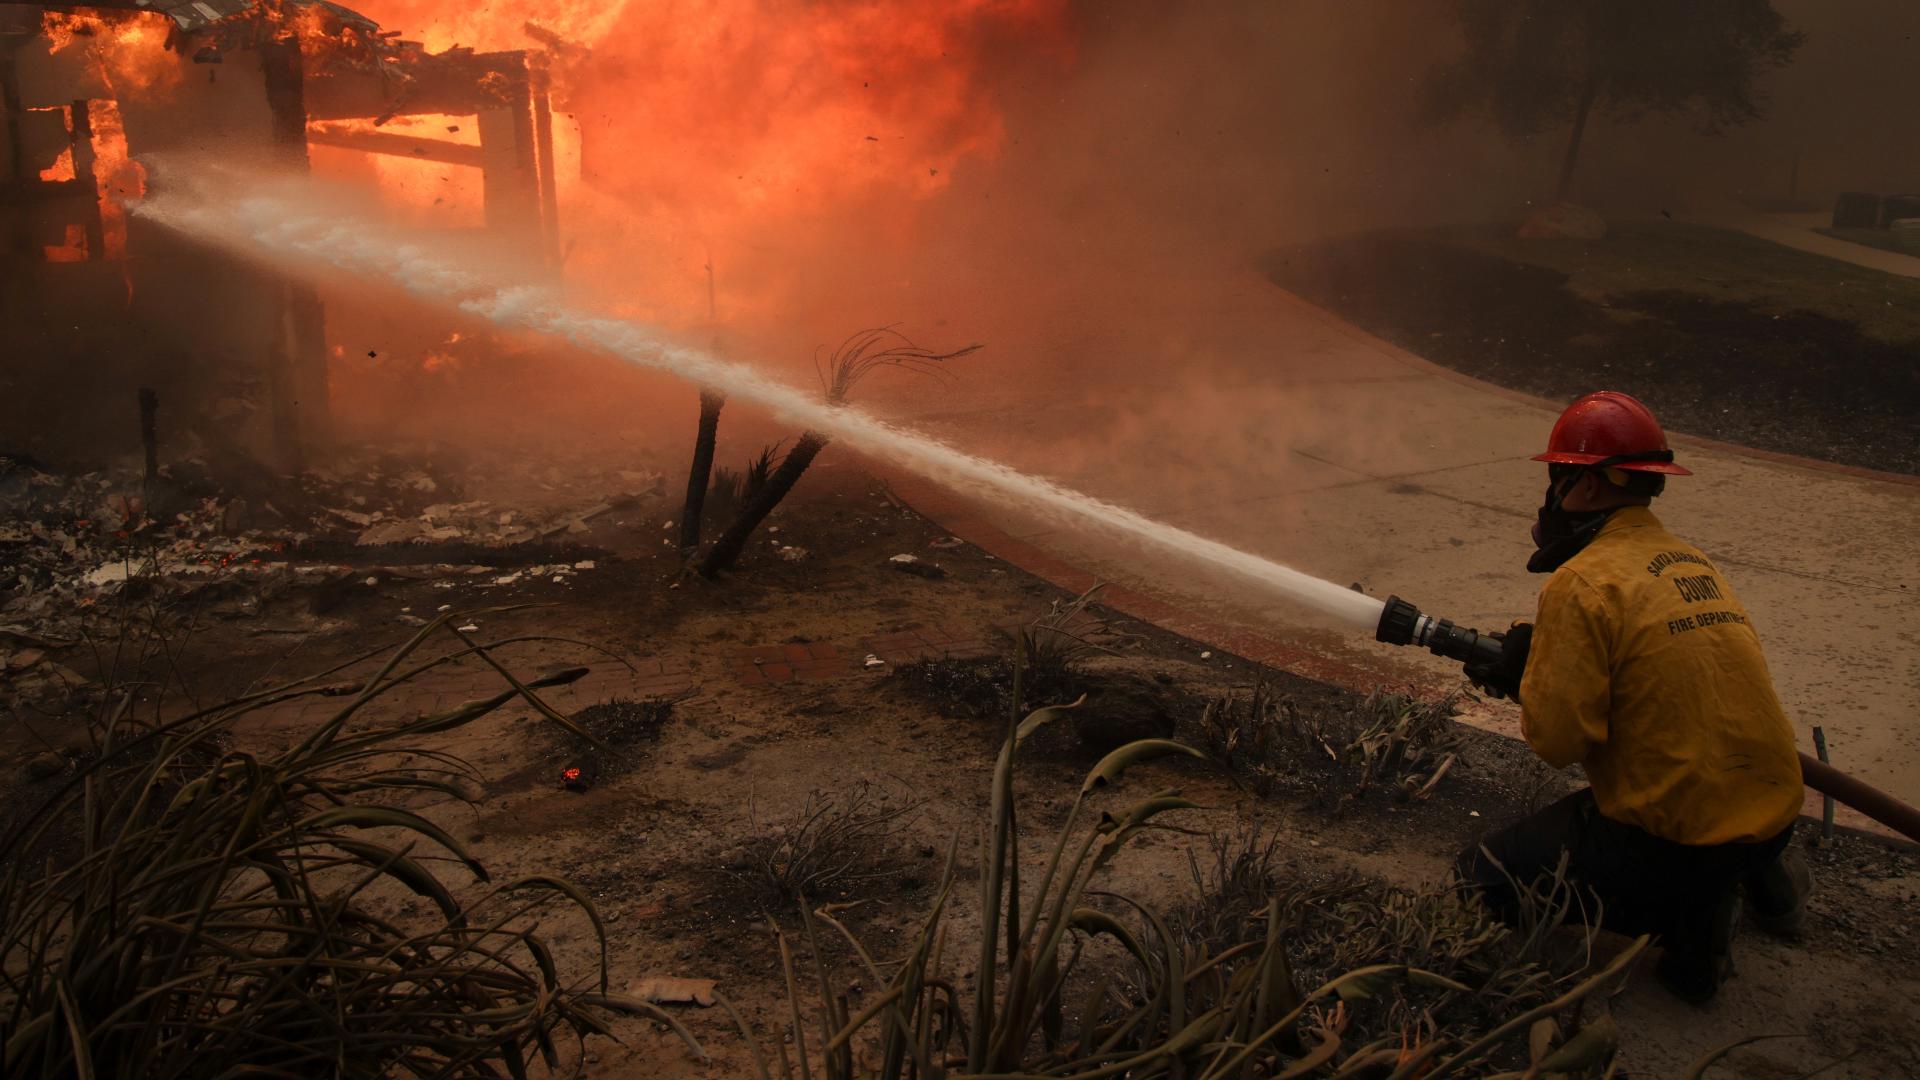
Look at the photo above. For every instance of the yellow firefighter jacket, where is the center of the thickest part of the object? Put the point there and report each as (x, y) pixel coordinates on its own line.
(1645, 670)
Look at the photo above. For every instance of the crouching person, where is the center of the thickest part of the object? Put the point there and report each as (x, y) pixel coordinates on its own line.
(1642, 667)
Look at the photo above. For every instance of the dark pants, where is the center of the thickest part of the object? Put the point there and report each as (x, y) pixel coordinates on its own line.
(1645, 885)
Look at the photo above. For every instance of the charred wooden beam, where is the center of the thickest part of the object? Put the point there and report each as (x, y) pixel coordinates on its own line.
(83, 162)
(456, 84)
(299, 414)
(38, 191)
(510, 169)
(395, 144)
(280, 66)
(549, 172)
(15, 239)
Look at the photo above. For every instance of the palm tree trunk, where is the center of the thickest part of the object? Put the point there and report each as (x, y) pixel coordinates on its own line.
(726, 550)
(1588, 91)
(700, 476)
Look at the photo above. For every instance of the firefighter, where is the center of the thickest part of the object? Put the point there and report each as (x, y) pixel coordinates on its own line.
(1642, 667)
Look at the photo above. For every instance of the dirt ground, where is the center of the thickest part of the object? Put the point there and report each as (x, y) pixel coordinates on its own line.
(1724, 335)
(784, 706)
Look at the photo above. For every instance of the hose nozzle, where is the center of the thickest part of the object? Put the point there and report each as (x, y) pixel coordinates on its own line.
(1403, 624)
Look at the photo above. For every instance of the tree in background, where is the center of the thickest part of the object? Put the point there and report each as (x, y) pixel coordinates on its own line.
(1534, 64)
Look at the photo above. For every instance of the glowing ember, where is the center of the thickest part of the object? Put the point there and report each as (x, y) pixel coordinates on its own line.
(573, 779)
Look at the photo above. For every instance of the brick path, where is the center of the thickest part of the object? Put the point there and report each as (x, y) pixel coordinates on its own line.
(925, 643)
(761, 665)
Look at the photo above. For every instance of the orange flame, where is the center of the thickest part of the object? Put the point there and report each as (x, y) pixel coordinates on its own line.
(121, 178)
(73, 250)
(734, 108)
(130, 50)
(62, 167)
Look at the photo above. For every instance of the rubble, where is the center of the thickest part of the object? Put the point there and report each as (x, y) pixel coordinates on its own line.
(913, 564)
(79, 550)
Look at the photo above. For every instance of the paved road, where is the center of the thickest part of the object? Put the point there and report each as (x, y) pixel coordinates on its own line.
(1235, 410)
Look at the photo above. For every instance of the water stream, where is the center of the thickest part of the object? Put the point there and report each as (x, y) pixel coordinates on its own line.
(304, 233)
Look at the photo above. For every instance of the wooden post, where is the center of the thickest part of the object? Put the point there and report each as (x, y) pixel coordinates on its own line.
(16, 242)
(83, 162)
(1826, 800)
(510, 169)
(297, 370)
(549, 171)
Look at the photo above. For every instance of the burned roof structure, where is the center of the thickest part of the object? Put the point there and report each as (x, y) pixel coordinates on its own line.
(266, 77)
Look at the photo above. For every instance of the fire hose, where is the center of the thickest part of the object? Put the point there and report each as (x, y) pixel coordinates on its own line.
(1403, 624)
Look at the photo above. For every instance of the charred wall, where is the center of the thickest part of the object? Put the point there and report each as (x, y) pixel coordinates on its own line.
(81, 329)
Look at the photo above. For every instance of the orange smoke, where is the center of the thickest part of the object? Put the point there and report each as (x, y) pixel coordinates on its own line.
(726, 106)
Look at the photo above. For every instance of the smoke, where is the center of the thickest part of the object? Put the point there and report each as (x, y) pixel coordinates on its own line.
(1083, 186)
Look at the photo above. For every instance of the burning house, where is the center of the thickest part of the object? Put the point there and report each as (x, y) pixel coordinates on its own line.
(97, 303)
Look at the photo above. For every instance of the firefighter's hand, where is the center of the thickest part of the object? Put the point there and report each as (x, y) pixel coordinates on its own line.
(1502, 678)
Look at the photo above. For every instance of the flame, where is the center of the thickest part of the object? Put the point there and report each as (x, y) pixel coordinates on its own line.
(681, 127)
(130, 50)
(74, 250)
(421, 192)
(121, 178)
(680, 124)
(62, 167)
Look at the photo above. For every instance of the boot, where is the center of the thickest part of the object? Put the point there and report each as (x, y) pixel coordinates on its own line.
(1777, 896)
(1692, 970)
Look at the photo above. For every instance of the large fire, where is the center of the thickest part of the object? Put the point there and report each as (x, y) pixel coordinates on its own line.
(127, 50)
(680, 127)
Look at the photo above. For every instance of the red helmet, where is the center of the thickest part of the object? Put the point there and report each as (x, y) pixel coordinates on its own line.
(1606, 427)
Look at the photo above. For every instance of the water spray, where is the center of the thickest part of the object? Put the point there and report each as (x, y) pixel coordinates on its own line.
(307, 229)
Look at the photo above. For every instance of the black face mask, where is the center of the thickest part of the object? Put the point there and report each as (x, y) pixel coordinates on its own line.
(1558, 535)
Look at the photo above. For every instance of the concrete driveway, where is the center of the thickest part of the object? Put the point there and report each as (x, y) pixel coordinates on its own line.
(1224, 405)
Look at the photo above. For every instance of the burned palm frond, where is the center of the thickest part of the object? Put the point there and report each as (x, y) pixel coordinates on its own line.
(1050, 953)
(869, 350)
(834, 843)
(732, 490)
(223, 911)
(759, 471)
(706, 435)
(855, 359)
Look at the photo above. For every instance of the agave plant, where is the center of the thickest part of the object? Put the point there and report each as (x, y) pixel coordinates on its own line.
(219, 911)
